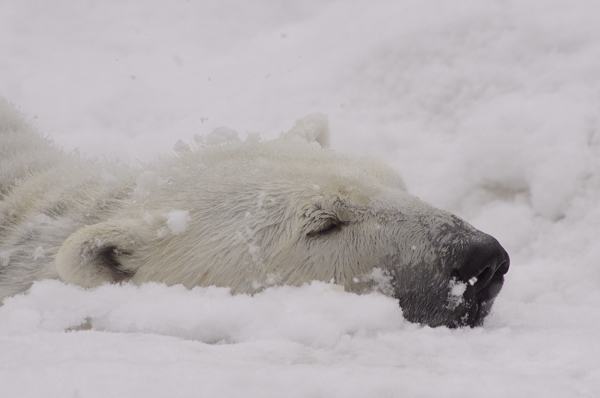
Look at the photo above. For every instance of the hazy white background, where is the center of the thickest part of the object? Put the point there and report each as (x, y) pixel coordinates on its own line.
(489, 109)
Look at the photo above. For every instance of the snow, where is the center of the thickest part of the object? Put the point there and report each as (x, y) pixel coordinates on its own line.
(457, 289)
(489, 109)
(177, 221)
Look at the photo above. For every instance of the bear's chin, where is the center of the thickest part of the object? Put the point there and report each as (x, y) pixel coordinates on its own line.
(474, 307)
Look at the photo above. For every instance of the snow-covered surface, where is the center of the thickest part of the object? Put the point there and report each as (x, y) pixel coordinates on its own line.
(490, 109)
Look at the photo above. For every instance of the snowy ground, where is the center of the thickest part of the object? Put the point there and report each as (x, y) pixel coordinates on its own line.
(490, 109)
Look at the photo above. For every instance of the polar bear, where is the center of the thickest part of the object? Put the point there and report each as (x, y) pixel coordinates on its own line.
(241, 214)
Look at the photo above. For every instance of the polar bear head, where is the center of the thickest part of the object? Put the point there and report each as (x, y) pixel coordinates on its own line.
(252, 214)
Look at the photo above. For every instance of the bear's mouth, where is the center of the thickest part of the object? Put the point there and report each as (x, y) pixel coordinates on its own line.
(483, 284)
(481, 301)
(469, 305)
(491, 290)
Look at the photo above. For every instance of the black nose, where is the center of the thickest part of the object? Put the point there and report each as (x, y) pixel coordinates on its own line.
(484, 268)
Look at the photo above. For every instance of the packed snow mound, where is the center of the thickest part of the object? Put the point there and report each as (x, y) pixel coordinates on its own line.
(285, 341)
(315, 315)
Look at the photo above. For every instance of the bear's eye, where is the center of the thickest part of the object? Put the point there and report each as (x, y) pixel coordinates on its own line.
(327, 227)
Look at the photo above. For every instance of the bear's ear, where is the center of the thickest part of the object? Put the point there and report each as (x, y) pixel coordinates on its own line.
(311, 128)
(105, 252)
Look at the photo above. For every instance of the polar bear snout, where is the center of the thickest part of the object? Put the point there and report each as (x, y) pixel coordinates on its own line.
(461, 279)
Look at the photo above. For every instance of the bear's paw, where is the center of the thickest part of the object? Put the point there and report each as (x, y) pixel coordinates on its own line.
(107, 252)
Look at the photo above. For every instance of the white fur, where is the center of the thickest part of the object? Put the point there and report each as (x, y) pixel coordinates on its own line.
(239, 214)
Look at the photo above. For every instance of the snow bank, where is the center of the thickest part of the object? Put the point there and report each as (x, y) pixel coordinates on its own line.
(211, 315)
(310, 341)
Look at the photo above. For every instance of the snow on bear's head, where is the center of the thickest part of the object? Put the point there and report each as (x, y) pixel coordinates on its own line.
(252, 214)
